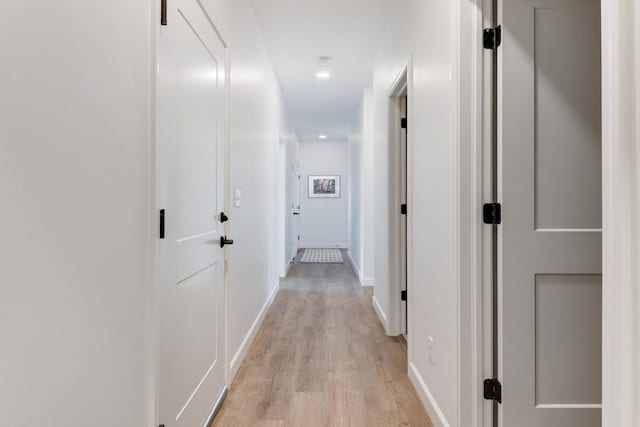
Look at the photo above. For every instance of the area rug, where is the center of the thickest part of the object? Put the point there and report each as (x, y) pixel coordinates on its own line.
(325, 256)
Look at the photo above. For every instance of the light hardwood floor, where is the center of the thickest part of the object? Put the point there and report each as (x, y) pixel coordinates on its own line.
(321, 358)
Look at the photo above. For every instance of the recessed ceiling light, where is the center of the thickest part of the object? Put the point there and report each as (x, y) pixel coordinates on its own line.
(322, 136)
(323, 61)
(323, 74)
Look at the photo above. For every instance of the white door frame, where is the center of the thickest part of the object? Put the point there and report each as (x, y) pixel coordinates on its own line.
(472, 107)
(621, 208)
(282, 213)
(155, 207)
(402, 86)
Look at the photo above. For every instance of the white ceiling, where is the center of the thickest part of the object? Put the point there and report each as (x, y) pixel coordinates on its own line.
(300, 31)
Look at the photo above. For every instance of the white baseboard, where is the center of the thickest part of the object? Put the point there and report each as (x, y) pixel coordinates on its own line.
(305, 245)
(354, 265)
(380, 312)
(237, 359)
(434, 411)
(364, 281)
(286, 269)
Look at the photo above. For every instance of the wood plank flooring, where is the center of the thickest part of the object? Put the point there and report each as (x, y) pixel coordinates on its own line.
(321, 358)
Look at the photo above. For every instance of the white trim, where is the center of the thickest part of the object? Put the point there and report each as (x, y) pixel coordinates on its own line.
(282, 211)
(355, 267)
(237, 359)
(429, 403)
(399, 85)
(569, 406)
(472, 188)
(287, 268)
(380, 312)
(216, 407)
(364, 281)
(367, 281)
(305, 245)
(402, 85)
(621, 207)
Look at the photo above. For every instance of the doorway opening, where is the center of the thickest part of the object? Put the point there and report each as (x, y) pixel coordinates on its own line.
(402, 192)
(399, 172)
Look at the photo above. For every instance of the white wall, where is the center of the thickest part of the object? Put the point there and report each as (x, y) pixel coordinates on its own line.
(361, 191)
(258, 120)
(75, 168)
(324, 221)
(355, 193)
(432, 215)
(77, 320)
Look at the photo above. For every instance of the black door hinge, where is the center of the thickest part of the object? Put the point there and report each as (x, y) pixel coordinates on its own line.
(162, 223)
(493, 390)
(163, 12)
(492, 213)
(403, 123)
(298, 237)
(403, 209)
(492, 37)
(403, 295)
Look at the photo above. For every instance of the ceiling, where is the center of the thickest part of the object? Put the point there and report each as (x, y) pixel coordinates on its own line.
(298, 32)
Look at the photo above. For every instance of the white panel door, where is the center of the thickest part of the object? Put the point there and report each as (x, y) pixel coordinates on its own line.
(295, 208)
(191, 117)
(550, 240)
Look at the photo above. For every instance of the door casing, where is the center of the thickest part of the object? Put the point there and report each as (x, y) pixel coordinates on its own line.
(402, 86)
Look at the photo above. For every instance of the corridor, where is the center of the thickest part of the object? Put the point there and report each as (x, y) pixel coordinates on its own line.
(165, 163)
(311, 364)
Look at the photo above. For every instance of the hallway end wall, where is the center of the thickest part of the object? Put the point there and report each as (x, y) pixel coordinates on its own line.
(324, 221)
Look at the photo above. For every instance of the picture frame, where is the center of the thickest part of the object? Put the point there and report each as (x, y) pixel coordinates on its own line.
(324, 186)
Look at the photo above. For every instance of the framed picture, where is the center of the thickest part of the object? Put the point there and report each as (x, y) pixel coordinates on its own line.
(327, 186)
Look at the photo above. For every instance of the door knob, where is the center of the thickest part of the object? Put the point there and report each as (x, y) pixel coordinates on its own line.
(296, 213)
(224, 241)
(223, 217)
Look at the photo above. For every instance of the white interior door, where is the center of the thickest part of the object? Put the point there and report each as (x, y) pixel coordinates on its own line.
(550, 240)
(295, 208)
(191, 111)
(282, 210)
